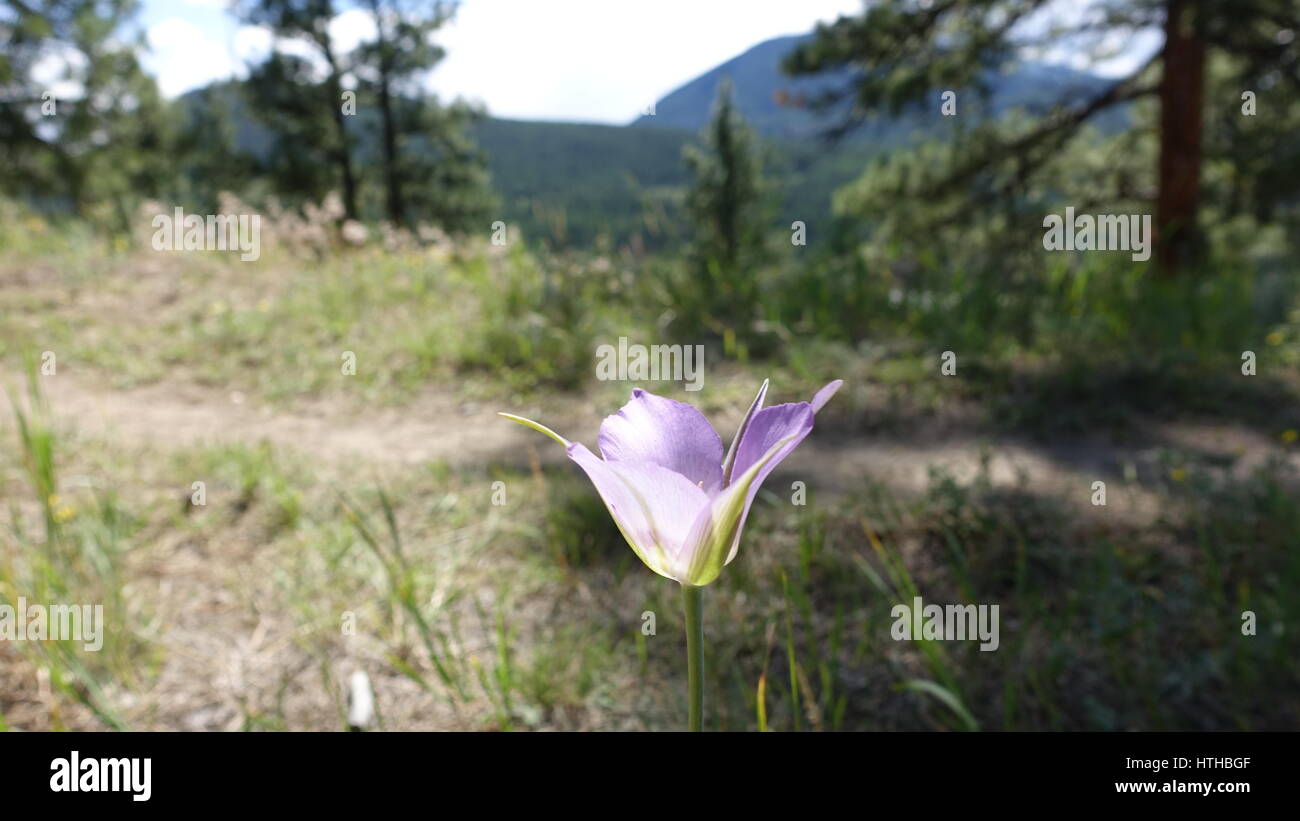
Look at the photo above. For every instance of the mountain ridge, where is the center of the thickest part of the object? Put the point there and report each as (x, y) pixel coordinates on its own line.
(769, 100)
(571, 183)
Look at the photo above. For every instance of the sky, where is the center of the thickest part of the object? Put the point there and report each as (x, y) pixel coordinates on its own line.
(582, 60)
(598, 61)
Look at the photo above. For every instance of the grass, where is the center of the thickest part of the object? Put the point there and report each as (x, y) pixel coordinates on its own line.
(497, 594)
(288, 329)
(529, 615)
(66, 546)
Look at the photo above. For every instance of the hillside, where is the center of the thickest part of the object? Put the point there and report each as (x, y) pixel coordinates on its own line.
(567, 183)
(570, 184)
(769, 100)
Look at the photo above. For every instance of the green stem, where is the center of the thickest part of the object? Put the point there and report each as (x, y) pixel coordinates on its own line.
(694, 654)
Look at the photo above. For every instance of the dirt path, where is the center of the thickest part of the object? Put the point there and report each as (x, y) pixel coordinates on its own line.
(465, 434)
(432, 429)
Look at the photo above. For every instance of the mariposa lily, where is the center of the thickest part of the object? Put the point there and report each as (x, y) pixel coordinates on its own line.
(680, 503)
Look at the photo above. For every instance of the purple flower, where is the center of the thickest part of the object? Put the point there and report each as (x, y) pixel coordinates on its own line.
(678, 501)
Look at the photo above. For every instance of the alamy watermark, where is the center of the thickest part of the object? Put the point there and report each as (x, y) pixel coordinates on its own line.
(640, 363)
(1103, 232)
(217, 232)
(128, 775)
(53, 622)
(953, 622)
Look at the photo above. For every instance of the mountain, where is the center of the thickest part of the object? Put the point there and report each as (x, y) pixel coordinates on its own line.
(570, 184)
(757, 80)
(769, 100)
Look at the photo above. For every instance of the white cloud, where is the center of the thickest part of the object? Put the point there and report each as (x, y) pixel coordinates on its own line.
(182, 57)
(350, 29)
(252, 44)
(591, 60)
(603, 61)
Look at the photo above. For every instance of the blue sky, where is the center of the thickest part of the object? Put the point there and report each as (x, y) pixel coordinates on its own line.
(583, 60)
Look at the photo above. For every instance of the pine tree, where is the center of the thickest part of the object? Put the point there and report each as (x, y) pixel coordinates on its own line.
(728, 210)
(292, 101)
(95, 152)
(905, 52)
(430, 168)
(303, 159)
(207, 148)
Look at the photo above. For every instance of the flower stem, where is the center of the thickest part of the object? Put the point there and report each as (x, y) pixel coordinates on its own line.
(691, 596)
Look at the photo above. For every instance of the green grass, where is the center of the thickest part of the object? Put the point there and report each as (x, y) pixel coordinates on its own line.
(67, 546)
(283, 328)
(529, 615)
(251, 610)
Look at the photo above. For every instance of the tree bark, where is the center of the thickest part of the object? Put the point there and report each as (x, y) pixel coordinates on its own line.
(343, 154)
(1182, 92)
(393, 182)
(396, 206)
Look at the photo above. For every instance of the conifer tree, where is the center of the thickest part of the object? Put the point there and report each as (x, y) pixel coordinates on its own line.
(727, 206)
(905, 52)
(95, 151)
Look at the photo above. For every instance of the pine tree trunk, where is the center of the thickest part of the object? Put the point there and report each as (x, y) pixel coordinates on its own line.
(396, 207)
(1182, 91)
(343, 154)
(345, 164)
(392, 181)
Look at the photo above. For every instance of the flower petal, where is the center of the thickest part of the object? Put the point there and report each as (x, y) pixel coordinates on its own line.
(754, 450)
(716, 533)
(824, 395)
(754, 407)
(768, 427)
(668, 433)
(653, 507)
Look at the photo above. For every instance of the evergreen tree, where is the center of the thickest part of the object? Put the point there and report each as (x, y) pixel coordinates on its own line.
(293, 101)
(906, 51)
(448, 172)
(430, 168)
(98, 151)
(727, 206)
(207, 148)
(304, 159)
